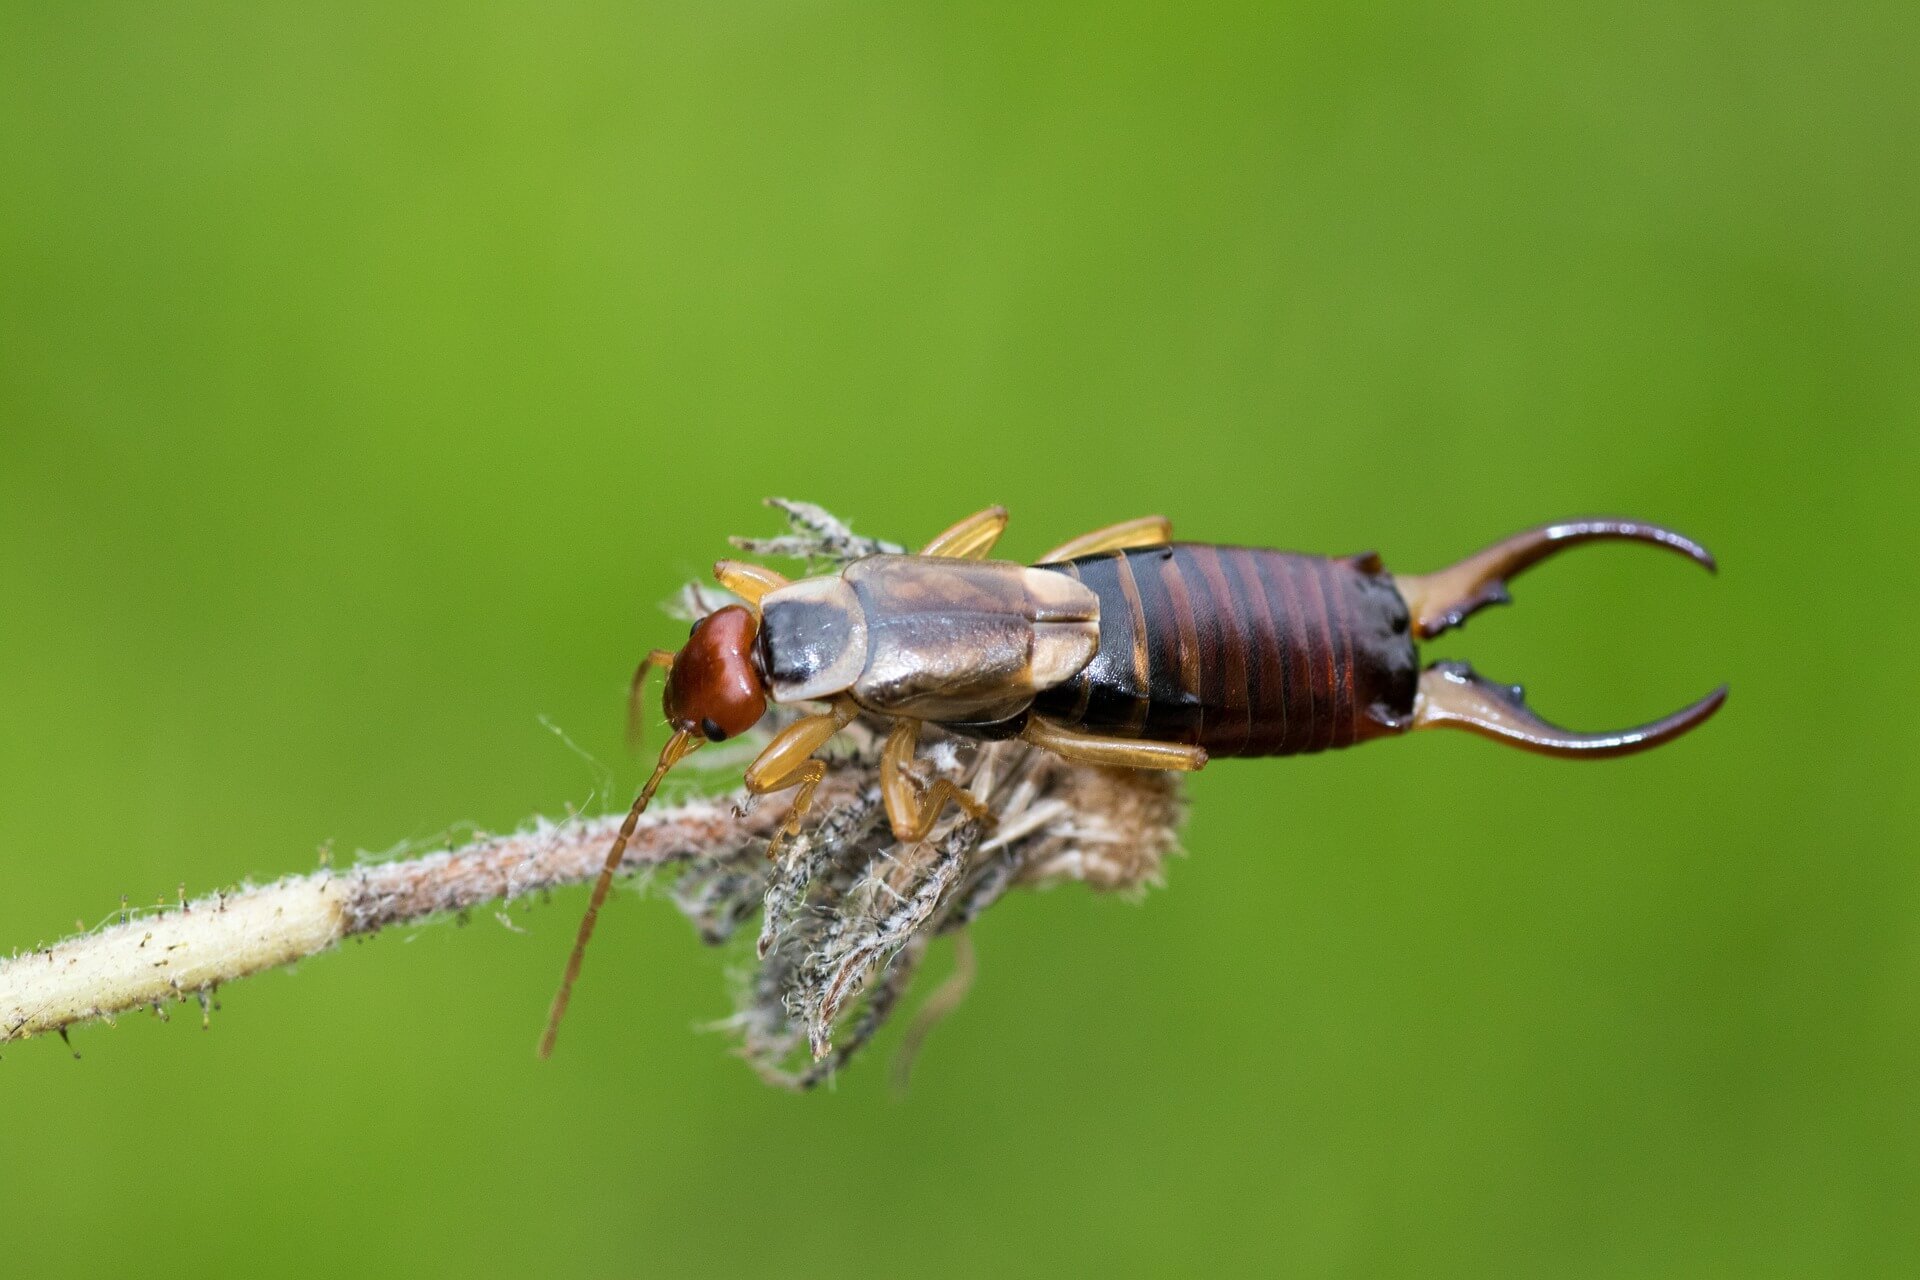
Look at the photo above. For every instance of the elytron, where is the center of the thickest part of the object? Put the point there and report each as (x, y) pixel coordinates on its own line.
(1121, 647)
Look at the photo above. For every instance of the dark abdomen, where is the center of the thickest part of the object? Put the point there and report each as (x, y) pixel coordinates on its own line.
(1243, 651)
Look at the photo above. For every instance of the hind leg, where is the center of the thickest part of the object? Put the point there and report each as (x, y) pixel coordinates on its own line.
(1118, 753)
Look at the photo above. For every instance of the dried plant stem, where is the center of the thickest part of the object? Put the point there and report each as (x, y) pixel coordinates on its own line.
(187, 952)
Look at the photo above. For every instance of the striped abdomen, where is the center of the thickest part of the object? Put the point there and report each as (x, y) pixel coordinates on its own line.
(1243, 651)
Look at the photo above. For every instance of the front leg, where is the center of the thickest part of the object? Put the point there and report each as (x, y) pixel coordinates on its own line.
(910, 812)
(787, 762)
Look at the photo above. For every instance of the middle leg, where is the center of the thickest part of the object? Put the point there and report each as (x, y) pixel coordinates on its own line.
(910, 811)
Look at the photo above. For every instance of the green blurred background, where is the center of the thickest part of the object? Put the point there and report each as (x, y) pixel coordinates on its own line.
(369, 372)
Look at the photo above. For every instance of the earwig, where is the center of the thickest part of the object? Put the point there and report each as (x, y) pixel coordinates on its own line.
(1120, 648)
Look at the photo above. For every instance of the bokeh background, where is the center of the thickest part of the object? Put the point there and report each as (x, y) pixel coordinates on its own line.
(369, 372)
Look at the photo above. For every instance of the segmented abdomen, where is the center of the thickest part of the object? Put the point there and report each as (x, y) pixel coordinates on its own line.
(1244, 651)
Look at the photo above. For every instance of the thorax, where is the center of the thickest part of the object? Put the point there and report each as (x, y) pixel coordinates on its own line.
(931, 638)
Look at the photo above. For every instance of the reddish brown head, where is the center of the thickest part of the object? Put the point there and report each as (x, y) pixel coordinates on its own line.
(714, 691)
(715, 688)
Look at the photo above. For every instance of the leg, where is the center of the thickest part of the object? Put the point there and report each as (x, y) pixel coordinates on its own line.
(972, 538)
(1119, 753)
(1147, 531)
(661, 658)
(787, 762)
(911, 812)
(748, 581)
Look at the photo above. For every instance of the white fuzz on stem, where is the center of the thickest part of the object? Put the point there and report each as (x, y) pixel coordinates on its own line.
(188, 951)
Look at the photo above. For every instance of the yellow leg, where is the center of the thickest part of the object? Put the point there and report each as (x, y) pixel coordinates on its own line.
(661, 658)
(787, 762)
(911, 812)
(972, 538)
(1117, 753)
(1147, 531)
(748, 581)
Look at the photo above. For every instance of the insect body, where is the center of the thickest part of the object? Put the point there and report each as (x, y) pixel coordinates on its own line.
(1119, 648)
(1241, 651)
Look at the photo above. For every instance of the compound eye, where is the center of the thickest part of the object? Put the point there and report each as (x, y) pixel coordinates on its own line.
(713, 732)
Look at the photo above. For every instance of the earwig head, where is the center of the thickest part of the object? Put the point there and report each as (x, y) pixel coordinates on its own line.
(715, 689)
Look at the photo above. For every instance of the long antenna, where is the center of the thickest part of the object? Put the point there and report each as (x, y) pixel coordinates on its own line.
(679, 746)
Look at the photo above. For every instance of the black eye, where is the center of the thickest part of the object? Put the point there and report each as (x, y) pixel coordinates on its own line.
(713, 731)
(695, 627)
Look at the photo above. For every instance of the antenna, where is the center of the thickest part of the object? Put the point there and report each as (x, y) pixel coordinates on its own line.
(679, 747)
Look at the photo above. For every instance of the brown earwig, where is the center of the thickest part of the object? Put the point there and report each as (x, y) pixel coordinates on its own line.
(1119, 648)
